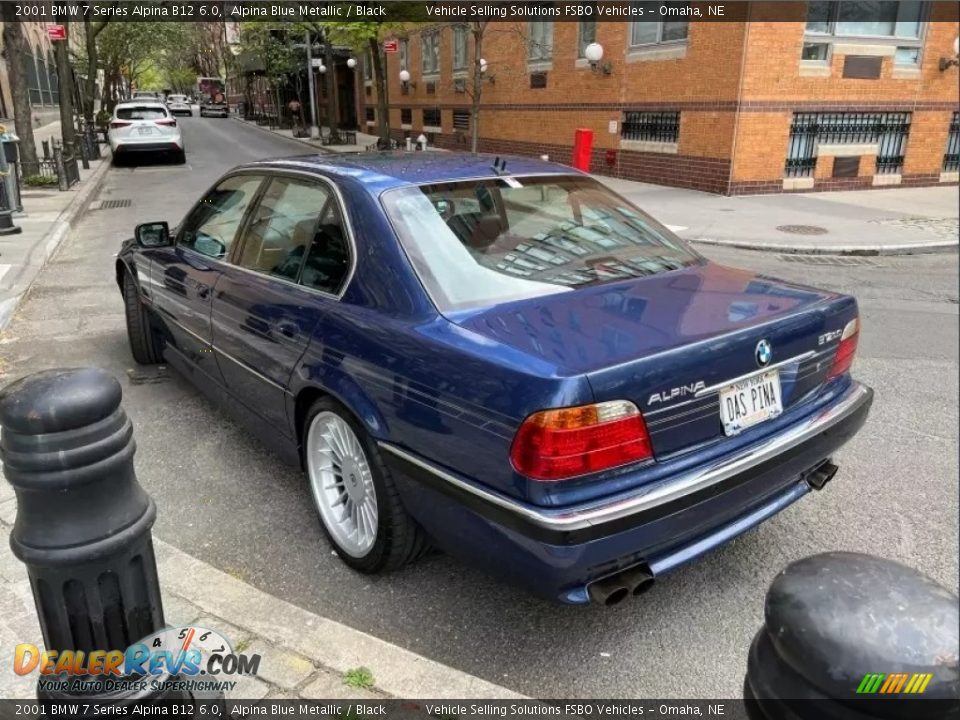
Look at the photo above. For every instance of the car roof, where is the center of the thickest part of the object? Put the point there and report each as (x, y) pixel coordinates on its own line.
(140, 101)
(382, 170)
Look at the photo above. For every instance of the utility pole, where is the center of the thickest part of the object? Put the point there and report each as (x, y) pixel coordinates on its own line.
(313, 100)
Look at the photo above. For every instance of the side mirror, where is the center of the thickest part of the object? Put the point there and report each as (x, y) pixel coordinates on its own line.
(154, 234)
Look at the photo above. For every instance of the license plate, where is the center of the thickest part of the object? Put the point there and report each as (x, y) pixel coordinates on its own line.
(750, 401)
(145, 130)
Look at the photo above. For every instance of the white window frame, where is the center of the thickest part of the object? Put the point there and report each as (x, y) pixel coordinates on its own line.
(461, 36)
(539, 42)
(831, 37)
(659, 41)
(430, 41)
(403, 48)
(580, 43)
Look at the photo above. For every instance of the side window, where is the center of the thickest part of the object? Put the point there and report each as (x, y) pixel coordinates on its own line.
(328, 261)
(283, 226)
(211, 227)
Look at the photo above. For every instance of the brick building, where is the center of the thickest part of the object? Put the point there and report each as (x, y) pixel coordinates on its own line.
(41, 74)
(797, 96)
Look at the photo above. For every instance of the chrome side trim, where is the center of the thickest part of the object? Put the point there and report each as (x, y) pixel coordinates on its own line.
(250, 370)
(667, 490)
(753, 373)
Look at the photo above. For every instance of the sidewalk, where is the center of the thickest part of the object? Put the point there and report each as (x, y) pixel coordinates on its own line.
(363, 139)
(890, 221)
(303, 656)
(47, 217)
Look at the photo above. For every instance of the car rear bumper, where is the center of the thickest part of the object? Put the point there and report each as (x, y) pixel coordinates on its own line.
(560, 552)
(220, 112)
(147, 147)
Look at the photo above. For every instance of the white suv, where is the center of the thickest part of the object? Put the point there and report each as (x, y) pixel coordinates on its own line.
(145, 126)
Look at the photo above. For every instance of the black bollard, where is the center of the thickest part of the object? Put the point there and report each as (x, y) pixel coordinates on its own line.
(83, 521)
(850, 636)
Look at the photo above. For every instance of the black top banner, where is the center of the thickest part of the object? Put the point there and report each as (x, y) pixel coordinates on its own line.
(388, 11)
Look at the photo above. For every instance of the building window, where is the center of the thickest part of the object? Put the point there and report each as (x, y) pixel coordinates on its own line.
(586, 34)
(406, 116)
(404, 53)
(368, 67)
(808, 130)
(461, 119)
(430, 53)
(656, 33)
(540, 43)
(900, 21)
(371, 114)
(853, 18)
(431, 117)
(650, 126)
(460, 36)
(951, 158)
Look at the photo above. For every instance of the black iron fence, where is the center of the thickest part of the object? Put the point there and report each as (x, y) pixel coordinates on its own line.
(951, 158)
(57, 167)
(888, 130)
(650, 126)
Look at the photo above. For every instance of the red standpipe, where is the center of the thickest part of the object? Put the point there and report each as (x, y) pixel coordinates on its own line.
(582, 145)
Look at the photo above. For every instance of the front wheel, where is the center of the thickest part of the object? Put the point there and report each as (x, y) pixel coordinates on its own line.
(142, 345)
(355, 496)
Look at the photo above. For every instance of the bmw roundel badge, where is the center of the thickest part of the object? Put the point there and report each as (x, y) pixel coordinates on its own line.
(763, 353)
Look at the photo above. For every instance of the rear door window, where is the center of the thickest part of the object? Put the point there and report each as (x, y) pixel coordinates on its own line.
(283, 227)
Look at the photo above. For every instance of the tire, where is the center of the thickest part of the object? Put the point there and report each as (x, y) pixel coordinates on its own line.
(180, 157)
(397, 540)
(142, 345)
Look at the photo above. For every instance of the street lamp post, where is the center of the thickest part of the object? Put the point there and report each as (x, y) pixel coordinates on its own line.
(313, 99)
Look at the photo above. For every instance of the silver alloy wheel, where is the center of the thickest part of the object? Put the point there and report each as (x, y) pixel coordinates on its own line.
(342, 483)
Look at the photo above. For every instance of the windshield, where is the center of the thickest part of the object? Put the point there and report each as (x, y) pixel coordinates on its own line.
(177, 98)
(479, 243)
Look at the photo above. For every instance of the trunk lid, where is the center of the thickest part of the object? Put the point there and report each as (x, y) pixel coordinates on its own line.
(661, 341)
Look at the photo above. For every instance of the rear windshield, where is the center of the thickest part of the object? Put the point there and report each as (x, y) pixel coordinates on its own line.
(136, 112)
(483, 242)
(177, 98)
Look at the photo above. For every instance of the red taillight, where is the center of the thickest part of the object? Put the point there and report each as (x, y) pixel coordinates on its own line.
(565, 443)
(846, 349)
(171, 122)
(119, 124)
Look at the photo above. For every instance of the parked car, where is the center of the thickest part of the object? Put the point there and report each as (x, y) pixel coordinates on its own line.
(140, 127)
(179, 105)
(146, 95)
(514, 362)
(214, 106)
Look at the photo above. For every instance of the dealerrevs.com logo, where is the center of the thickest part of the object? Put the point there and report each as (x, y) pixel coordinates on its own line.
(183, 658)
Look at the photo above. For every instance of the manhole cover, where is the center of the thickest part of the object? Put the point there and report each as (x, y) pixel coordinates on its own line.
(839, 260)
(803, 229)
(113, 204)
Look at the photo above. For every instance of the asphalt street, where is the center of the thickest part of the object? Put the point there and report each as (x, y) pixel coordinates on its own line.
(224, 499)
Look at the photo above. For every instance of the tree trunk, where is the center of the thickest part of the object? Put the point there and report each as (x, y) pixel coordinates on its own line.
(65, 76)
(15, 49)
(477, 87)
(90, 86)
(380, 78)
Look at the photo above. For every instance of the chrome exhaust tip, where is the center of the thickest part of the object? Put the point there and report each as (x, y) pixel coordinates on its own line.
(822, 475)
(638, 579)
(608, 591)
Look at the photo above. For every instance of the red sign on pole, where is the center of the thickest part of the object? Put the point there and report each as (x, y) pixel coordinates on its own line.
(391, 46)
(57, 32)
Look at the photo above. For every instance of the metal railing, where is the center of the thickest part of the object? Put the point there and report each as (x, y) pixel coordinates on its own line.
(807, 130)
(650, 126)
(951, 158)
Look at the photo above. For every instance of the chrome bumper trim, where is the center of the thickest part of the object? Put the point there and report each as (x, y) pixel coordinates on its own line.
(666, 491)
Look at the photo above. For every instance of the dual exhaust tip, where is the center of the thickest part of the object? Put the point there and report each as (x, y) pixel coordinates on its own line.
(613, 590)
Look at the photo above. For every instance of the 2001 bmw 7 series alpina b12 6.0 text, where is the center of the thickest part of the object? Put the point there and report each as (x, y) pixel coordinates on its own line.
(510, 360)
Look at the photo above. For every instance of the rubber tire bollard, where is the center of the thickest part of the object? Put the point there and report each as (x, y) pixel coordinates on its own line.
(83, 521)
(831, 619)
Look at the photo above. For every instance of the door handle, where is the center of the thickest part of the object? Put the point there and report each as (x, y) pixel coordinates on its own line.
(287, 329)
(203, 291)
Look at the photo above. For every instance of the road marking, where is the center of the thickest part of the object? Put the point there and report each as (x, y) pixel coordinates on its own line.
(3, 270)
(676, 228)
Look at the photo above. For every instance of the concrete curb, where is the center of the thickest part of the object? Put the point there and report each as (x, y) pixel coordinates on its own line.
(331, 645)
(50, 242)
(937, 246)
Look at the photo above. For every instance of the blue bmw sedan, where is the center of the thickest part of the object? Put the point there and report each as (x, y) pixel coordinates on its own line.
(506, 360)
